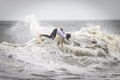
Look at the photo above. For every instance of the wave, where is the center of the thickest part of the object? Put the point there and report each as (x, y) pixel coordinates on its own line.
(86, 47)
(90, 48)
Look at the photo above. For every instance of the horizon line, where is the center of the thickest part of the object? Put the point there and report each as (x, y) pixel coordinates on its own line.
(73, 20)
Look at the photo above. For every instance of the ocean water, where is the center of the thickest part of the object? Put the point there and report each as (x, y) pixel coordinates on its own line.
(93, 52)
(109, 26)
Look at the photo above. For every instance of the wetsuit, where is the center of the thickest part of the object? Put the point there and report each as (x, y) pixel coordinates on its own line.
(54, 32)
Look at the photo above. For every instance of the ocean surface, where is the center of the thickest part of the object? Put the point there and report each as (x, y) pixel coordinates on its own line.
(109, 26)
(93, 52)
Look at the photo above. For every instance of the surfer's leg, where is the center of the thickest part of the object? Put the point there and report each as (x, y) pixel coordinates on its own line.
(46, 36)
(39, 38)
(53, 34)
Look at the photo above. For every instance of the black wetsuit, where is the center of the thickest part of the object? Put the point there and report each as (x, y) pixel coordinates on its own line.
(52, 35)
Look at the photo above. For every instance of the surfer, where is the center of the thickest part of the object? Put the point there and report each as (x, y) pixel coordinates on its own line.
(60, 32)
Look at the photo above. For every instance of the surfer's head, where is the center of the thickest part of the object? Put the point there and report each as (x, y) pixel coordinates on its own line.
(68, 36)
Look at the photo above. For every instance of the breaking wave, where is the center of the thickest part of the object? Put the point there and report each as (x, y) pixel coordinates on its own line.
(89, 48)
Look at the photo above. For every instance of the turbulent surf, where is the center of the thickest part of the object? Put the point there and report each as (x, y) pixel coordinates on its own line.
(89, 50)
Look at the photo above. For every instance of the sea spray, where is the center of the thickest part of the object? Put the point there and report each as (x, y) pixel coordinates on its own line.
(26, 29)
(33, 24)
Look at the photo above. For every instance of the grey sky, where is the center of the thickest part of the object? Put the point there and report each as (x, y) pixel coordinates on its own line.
(60, 9)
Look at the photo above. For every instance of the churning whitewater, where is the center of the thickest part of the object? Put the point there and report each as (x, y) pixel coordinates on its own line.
(89, 50)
